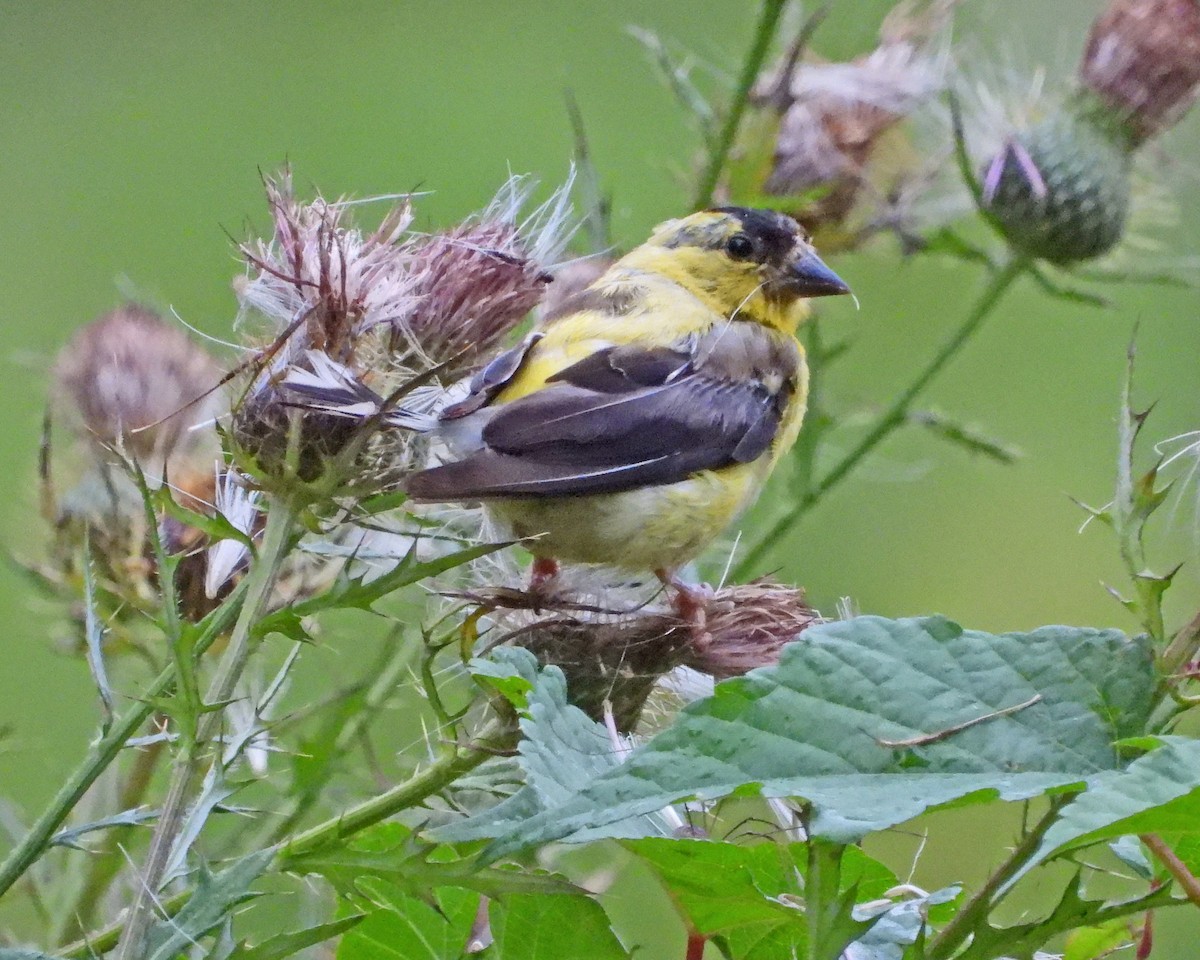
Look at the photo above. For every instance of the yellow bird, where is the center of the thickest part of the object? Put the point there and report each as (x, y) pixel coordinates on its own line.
(646, 413)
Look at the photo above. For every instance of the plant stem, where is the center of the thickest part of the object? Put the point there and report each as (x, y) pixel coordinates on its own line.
(1177, 868)
(895, 415)
(103, 752)
(260, 582)
(452, 764)
(976, 910)
(822, 885)
(104, 866)
(764, 33)
(455, 761)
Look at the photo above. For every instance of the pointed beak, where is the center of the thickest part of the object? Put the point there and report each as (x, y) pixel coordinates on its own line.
(807, 276)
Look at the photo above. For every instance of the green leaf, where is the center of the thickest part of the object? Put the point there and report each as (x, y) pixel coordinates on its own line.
(286, 944)
(127, 818)
(562, 750)
(874, 721)
(511, 671)
(1092, 942)
(1157, 793)
(536, 927)
(720, 887)
(964, 435)
(389, 852)
(215, 897)
(403, 927)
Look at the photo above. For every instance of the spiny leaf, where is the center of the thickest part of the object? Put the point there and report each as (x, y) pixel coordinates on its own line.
(127, 818)
(216, 895)
(94, 634)
(359, 593)
(964, 435)
(287, 944)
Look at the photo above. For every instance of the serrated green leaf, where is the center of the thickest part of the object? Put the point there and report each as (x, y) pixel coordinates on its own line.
(287, 944)
(215, 896)
(537, 927)
(511, 671)
(1157, 793)
(1007, 715)
(720, 887)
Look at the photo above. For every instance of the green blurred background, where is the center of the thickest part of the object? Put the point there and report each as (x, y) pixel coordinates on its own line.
(132, 135)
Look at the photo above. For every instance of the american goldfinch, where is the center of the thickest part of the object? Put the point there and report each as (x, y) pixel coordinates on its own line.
(645, 414)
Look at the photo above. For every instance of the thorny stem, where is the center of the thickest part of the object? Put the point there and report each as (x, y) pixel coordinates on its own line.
(764, 33)
(103, 752)
(976, 910)
(260, 582)
(455, 761)
(895, 416)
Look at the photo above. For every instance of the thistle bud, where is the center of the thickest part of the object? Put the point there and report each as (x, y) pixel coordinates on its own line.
(1143, 62)
(1060, 190)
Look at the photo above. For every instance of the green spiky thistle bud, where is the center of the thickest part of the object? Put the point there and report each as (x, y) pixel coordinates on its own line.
(1060, 190)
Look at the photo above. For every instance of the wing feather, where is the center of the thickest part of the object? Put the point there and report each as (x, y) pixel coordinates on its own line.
(627, 417)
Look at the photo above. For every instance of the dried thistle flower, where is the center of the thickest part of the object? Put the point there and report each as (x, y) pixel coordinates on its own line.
(614, 653)
(1143, 62)
(358, 319)
(1061, 187)
(837, 152)
(135, 383)
(137, 393)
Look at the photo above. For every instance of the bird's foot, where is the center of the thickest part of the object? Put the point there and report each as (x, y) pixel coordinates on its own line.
(691, 604)
(541, 575)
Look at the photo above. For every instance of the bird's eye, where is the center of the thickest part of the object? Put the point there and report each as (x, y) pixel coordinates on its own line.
(740, 247)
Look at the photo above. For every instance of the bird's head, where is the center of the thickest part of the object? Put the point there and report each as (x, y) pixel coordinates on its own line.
(755, 264)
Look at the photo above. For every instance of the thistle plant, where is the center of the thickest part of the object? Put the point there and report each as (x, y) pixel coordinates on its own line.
(211, 519)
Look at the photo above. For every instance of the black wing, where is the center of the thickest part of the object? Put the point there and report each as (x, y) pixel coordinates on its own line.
(629, 417)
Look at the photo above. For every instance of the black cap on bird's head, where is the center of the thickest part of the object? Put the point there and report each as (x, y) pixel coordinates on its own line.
(769, 248)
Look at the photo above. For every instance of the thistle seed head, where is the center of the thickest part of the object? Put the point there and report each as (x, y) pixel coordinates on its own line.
(134, 382)
(1142, 62)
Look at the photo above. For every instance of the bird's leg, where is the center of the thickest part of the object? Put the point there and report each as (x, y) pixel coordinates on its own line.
(690, 602)
(543, 570)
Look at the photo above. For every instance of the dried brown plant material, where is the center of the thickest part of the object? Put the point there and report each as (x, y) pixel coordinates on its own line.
(1143, 62)
(617, 656)
(835, 118)
(137, 383)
